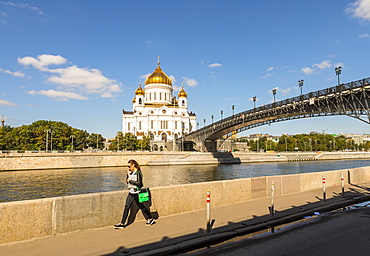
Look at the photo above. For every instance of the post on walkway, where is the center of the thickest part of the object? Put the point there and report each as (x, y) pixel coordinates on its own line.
(342, 183)
(324, 189)
(272, 198)
(208, 199)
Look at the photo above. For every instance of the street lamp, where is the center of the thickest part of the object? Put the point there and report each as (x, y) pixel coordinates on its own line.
(222, 112)
(47, 135)
(97, 143)
(254, 101)
(117, 141)
(212, 118)
(274, 93)
(51, 140)
(300, 83)
(72, 136)
(286, 145)
(233, 106)
(338, 71)
(204, 120)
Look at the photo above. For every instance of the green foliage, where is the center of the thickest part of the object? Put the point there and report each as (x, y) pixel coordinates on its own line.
(307, 142)
(51, 135)
(129, 142)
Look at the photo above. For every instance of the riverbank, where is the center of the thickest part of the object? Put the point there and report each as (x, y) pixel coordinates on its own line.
(37, 161)
(233, 201)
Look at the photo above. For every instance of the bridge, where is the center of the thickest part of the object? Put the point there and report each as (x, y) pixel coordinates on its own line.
(351, 99)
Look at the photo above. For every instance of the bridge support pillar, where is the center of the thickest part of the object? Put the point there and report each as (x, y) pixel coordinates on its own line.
(210, 145)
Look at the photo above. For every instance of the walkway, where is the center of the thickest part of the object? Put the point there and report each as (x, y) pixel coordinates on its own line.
(187, 229)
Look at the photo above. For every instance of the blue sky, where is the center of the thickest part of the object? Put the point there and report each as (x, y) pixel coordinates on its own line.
(79, 62)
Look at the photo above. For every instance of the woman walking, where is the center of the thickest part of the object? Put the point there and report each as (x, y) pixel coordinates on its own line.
(134, 180)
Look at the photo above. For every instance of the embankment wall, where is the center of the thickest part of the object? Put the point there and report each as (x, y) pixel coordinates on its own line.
(33, 161)
(31, 219)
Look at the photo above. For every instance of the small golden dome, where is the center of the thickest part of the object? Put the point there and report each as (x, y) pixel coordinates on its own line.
(158, 77)
(139, 91)
(133, 100)
(182, 93)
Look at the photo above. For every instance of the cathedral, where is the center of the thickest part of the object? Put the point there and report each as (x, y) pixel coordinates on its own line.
(158, 114)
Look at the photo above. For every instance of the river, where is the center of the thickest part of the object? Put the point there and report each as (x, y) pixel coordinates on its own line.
(34, 184)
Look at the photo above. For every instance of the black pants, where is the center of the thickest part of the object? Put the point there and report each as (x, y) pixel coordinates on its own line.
(129, 200)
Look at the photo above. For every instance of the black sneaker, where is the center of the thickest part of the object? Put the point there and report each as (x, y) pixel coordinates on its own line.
(150, 222)
(119, 225)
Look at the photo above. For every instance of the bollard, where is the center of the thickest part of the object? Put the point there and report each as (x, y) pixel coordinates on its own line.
(272, 198)
(323, 188)
(208, 211)
(342, 183)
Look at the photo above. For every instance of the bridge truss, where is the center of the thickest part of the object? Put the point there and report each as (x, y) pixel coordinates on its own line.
(350, 99)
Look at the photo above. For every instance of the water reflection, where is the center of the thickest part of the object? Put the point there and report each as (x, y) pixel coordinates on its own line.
(24, 185)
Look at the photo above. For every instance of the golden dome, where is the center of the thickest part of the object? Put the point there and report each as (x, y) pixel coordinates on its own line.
(158, 77)
(139, 91)
(133, 100)
(182, 93)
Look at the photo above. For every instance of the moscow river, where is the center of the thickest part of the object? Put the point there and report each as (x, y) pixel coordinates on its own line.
(25, 185)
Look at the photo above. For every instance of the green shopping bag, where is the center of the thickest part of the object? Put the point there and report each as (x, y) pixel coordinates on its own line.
(144, 195)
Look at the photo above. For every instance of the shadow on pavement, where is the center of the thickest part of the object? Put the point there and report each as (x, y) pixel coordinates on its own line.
(202, 239)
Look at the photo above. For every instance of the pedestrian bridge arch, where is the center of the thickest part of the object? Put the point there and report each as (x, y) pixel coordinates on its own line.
(350, 99)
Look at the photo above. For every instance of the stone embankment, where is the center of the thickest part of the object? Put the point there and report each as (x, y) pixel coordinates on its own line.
(33, 161)
(31, 219)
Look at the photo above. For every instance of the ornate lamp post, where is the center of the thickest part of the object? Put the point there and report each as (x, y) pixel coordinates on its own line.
(338, 71)
(212, 118)
(254, 101)
(233, 107)
(300, 83)
(222, 112)
(204, 120)
(274, 93)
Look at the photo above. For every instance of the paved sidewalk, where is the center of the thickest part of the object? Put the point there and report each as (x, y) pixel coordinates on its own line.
(186, 229)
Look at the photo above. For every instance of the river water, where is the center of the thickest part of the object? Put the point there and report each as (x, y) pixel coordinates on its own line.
(25, 185)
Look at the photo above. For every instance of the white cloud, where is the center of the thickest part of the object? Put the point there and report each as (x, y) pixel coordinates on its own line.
(145, 76)
(16, 73)
(322, 65)
(364, 35)
(316, 67)
(42, 61)
(176, 88)
(173, 79)
(359, 9)
(285, 91)
(189, 81)
(7, 103)
(72, 79)
(270, 68)
(214, 65)
(267, 75)
(307, 70)
(25, 6)
(59, 95)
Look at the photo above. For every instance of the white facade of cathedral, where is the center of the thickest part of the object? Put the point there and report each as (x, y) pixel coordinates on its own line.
(157, 113)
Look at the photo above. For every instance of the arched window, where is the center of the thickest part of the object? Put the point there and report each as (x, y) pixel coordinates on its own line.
(164, 136)
(183, 102)
(140, 101)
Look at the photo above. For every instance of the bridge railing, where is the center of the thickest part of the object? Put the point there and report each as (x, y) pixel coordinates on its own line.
(323, 92)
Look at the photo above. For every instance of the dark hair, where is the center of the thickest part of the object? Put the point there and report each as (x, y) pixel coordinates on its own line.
(132, 161)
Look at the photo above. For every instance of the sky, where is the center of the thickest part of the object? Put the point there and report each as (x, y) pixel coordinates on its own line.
(80, 61)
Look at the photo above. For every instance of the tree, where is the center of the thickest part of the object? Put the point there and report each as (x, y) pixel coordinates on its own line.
(129, 142)
(42, 134)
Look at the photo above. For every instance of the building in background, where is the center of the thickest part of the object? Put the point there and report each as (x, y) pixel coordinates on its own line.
(158, 114)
